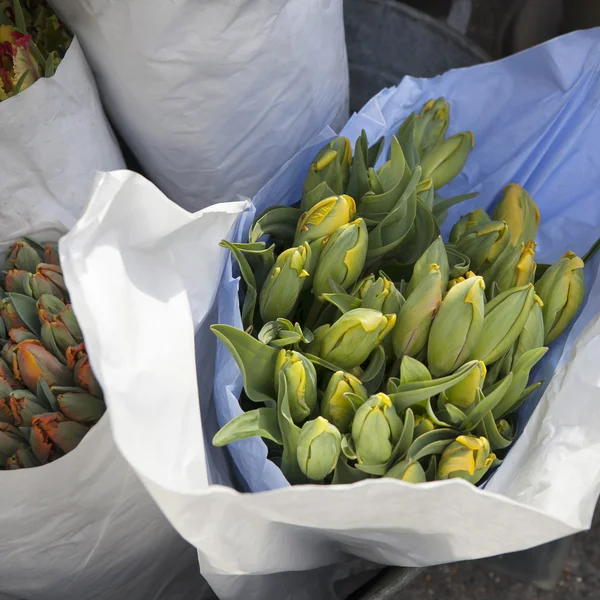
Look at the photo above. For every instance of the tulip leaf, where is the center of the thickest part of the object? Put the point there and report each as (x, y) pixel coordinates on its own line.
(436, 447)
(489, 429)
(39, 248)
(374, 150)
(45, 396)
(356, 400)
(412, 393)
(344, 301)
(485, 404)
(398, 470)
(441, 206)
(431, 471)
(389, 185)
(358, 182)
(344, 473)
(412, 370)
(248, 277)
(421, 446)
(375, 371)
(261, 422)
(395, 226)
(405, 136)
(315, 360)
(347, 446)
(280, 222)
(282, 333)
(521, 375)
(255, 360)
(27, 311)
(526, 393)
(455, 415)
(290, 433)
(406, 438)
(318, 193)
(378, 470)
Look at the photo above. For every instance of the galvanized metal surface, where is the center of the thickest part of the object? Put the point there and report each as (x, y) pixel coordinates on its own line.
(387, 40)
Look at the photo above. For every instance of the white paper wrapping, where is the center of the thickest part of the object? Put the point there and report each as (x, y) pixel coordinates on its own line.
(213, 96)
(84, 527)
(54, 136)
(143, 275)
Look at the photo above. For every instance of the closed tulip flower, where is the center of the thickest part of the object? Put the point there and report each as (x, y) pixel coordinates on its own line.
(375, 430)
(561, 289)
(416, 315)
(518, 210)
(301, 379)
(281, 291)
(342, 258)
(456, 327)
(444, 162)
(351, 339)
(324, 218)
(504, 319)
(318, 449)
(335, 406)
(467, 457)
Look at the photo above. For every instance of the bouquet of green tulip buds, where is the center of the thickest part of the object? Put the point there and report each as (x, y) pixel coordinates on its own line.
(376, 349)
(49, 397)
(32, 43)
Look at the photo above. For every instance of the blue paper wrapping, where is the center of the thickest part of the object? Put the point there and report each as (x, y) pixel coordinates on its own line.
(536, 122)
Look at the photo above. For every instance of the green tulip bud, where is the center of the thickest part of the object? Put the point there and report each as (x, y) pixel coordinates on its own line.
(281, 291)
(342, 258)
(9, 315)
(431, 125)
(324, 218)
(24, 406)
(532, 335)
(51, 254)
(483, 244)
(330, 169)
(335, 406)
(416, 315)
(467, 457)
(561, 289)
(23, 458)
(375, 430)
(444, 162)
(422, 425)
(79, 406)
(519, 211)
(456, 327)
(31, 361)
(11, 440)
(301, 379)
(319, 446)
(463, 394)
(362, 287)
(435, 254)
(23, 257)
(53, 436)
(18, 282)
(48, 279)
(525, 269)
(466, 222)
(382, 295)
(504, 319)
(349, 341)
(414, 473)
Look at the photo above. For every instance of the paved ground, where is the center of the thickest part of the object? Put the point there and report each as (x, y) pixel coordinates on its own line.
(580, 578)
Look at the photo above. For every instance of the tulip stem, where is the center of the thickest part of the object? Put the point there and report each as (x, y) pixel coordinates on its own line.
(590, 253)
(313, 314)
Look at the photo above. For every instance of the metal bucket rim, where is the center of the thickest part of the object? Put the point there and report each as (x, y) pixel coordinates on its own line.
(442, 27)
